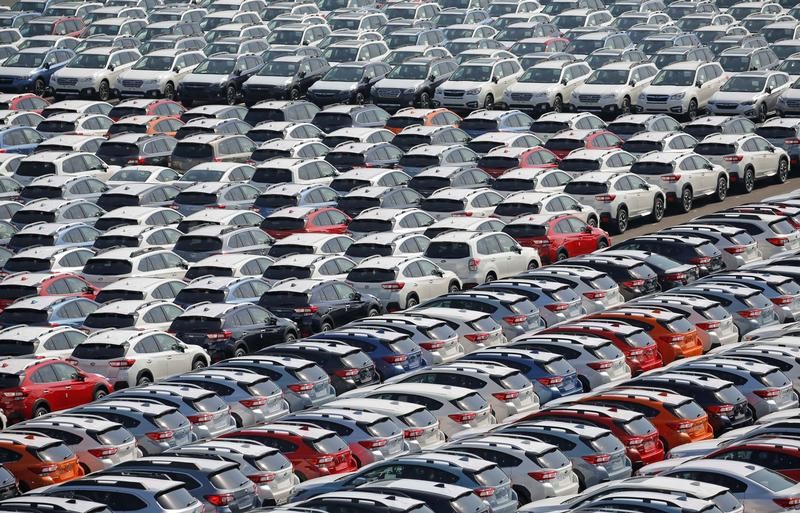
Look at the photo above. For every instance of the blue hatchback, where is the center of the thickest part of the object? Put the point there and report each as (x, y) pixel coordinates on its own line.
(393, 353)
(19, 139)
(552, 376)
(294, 195)
(29, 71)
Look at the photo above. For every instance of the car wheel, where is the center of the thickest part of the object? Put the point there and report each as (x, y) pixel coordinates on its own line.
(490, 278)
(687, 198)
(722, 188)
(749, 180)
(453, 288)
(144, 380)
(592, 221)
(289, 337)
(621, 221)
(294, 93)
(558, 103)
(230, 95)
(425, 100)
(602, 244)
(373, 312)
(533, 264)
(762, 113)
(99, 394)
(691, 111)
(169, 91)
(783, 171)
(198, 363)
(626, 105)
(104, 91)
(239, 352)
(39, 87)
(561, 255)
(411, 301)
(488, 102)
(41, 410)
(326, 326)
(658, 209)
(360, 99)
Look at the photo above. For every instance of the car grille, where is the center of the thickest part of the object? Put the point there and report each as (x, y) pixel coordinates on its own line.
(793, 103)
(589, 98)
(6, 80)
(132, 83)
(388, 92)
(521, 97)
(325, 93)
(454, 94)
(727, 105)
(67, 81)
(657, 98)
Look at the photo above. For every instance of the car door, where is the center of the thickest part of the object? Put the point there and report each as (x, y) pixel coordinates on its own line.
(640, 194)
(78, 390)
(356, 306)
(150, 353)
(45, 383)
(337, 307)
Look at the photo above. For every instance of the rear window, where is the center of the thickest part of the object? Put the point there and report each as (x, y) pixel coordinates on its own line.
(586, 188)
(419, 418)
(522, 231)
(606, 443)
(775, 378)
(511, 209)
(679, 325)
(651, 168)
(606, 351)
(491, 476)
(514, 381)
(178, 498)
(111, 201)
(32, 192)
(194, 324)
(559, 367)
(729, 394)
(229, 479)
(383, 427)
(112, 436)
(447, 250)
(365, 250)
(171, 420)
(10, 380)
(283, 223)
(548, 127)
(109, 295)
(109, 320)
(419, 161)
(442, 205)
(272, 175)
(329, 444)
(481, 125)
(198, 295)
(195, 198)
(107, 266)
(470, 402)
(429, 182)
(275, 201)
(279, 250)
(269, 153)
(193, 151)
(370, 225)
(639, 339)
(638, 426)
(552, 459)
(603, 282)
(345, 159)
(496, 162)
(281, 272)
(776, 132)
(283, 298)
(17, 264)
(579, 165)
(309, 373)
(641, 271)
(782, 227)
(371, 275)
(440, 332)
(642, 146)
(771, 480)
(484, 324)
(14, 292)
(198, 243)
(688, 410)
(357, 203)
(14, 348)
(564, 144)
(565, 294)
(117, 149)
(53, 453)
(356, 360)
(197, 271)
(274, 461)
(95, 351)
(33, 216)
(714, 148)
(513, 184)
(209, 403)
(11, 316)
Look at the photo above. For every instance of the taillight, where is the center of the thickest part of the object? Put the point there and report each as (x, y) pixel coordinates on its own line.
(632, 284)
(201, 418)
(791, 141)
(477, 337)
(462, 418)
(753, 313)
(220, 499)
(396, 358)
(220, 335)
(121, 364)
(544, 475)
(17, 395)
(672, 339)
(44, 469)
(310, 309)
(301, 387)
(103, 452)
(395, 285)
(262, 477)
(634, 441)
(720, 409)
(323, 461)
(700, 260)
(515, 320)
(72, 361)
(465, 213)
(375, 443)
(787, 502)
(473, 264)
(676, 276)
(432, 345)
(783, 300)
(599, 294)
(605, 198)
(253, 402)
(413, 433)
(777, 241)
(671, 178)
(346, 373)
(509, 395)
(486, 491)
(159, 436)
(596, 459)
(768, 393)
(681, 426)
(601, 365)
(557, 307)
(551, 381)
(708, 325)
(736, 250)
(733, 158)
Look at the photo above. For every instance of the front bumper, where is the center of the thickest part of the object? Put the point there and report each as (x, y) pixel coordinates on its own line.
(330, 97)
(16, 85)
(733, 109)
(667, 107)
(254, 94)
(194, 92)
(463, 101)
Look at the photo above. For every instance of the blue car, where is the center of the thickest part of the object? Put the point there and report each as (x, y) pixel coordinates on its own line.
(29, 71)
(20, 139)
(393, 353)
(294, 195)
(48, 311)
(552, 376)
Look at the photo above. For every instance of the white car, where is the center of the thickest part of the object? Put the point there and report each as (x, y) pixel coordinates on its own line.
(118, 263)
(60, 163)
(526, 203)
(683, 177)
(315, 267)
(74, 123)
(554, 122)
(392, 220)
(645, 142)
(546, 86)
(618, 197)
(91, 73)
(579, 162)
(532, 179)
(157, 74)
(747, 158)
(614, 88)
(461, 202)
(477, 83)
(682, 88)
(157, 315)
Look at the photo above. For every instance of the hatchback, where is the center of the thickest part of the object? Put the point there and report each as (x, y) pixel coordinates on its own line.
(38, 460)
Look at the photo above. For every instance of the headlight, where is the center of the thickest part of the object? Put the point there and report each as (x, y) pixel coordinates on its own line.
(748, 102)
(608, 96)
(677, 96)
(411, 91)
(149, 82)
(473, 91)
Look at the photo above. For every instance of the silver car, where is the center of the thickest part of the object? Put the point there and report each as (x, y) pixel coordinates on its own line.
(596, 289)
(91, 73)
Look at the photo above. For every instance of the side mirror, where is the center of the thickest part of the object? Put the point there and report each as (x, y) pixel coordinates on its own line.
(563, 81)
(495, 79)
(355, 296)
(518, 249)
(587, 229)
(272, 321)
(432, 78)
(179, 347)
(176, 69)
(46, 65)
(644, 187)
(698, 84)
(237, 72)
(305, 42)
(111, 67)
(365, 80)
(438, 272)
(632, 83)
(301, 74)
(77, 376)
(87, 289)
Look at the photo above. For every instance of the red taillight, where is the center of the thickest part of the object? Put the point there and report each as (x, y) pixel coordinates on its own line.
(262, 477)
(788, 502)
(509, 395)
(671, 178)
(220, 499)
(551, 381)
(432, 345)
(461, 418)
(473, 264)
(323, 461)
(396, 358)
(515, 320)
(413, 433)
(477, 337)
(719, 409)
(733, 158)
(486, 491)
(103, 452)
(681, 426)
(605, 198)
(310, 309)
(768, 393)
(395, 285)
(44, 469)
(253, 402)
(709, 325)
(557, 307)
(700, 260)
(301, 387)
(753, 313)
(736, 250)
(121, 364)
(201, 418)
(375, 443)
(601, 365)
(346, 373)
(676, 276)
(632, 284)
(159, 436)
(18, 395)
(634, 441)
(220, 335)
(783, 300)
(777, 241)
(544, 475)
(597, 459)
(594, 295)
(791, 141)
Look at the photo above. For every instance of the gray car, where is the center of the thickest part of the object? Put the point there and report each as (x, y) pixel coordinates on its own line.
(750, 308)
(207, 241)
(201, 196)
(783, 291)
(596, 289)
(42, 503)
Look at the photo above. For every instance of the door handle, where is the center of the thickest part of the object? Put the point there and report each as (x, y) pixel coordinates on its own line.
(68, 387)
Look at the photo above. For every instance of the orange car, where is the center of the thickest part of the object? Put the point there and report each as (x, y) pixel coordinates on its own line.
(424, 117)
(166, 125)
(675, 336)
(38, 460)
(678, 419)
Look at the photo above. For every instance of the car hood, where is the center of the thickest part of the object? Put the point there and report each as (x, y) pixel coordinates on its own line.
(724, 96)
(17, 72)
(276, 81)
(332, 86)
(598, 89)
(143, 75)
(459, 84)
(397, 83)
(205, 79)
(532, 87)
(665, 89)
(791, 93)
(78, 73)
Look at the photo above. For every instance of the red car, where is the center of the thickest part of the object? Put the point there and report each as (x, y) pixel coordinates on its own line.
(557, 236)
(314, 452)
(775, 453)
(71, 26)
(31, 387)
(291, 220)
(637, 434)
(539, 157)
(146, 107)
(500, 160)
(17, 285)
(23, 101)
(641, 351)
(587, 139)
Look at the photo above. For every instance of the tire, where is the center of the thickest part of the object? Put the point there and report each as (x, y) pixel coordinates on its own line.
(523, 496)
(488, 102)
(691, 111)
(143, 380)
(626, 105)
(326, 326)
(490, 277)
(783, 171)
(169, 91)
(239, 351)
(425, 100)
(620, 223)
(592, 221)
(722, 188)
(99, 394)
(294, 93)
(558, 104)
(664, 443)
(561, 255)
(687, 199)
(360, 100)
(762, 113)
(289, 337)
(104, 91)
(230, 95)
(411, 301)
(41, 409)
(198, 364)
(749, 180)
(585, 383)
(39, 87)
(453, 288)
(602, 244)
(658, 209)
(373, 312)
(533, 264)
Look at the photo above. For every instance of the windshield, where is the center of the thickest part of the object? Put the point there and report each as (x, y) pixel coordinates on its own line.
(215, 67)
(153, 63)
(608, 77)
(343, 74)
(285, 37)
(25, 60)
(541, 75)
(88, 61)
(340, 54)
(409, 72)
(744, 84)
(279, 69)
(674, 77)
(472, 74)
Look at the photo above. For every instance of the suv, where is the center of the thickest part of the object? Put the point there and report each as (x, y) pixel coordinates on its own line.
(614, 88)
(546, 86)
(746, 157)
(157, 74)
(207, 241)
(201, 148)
(334, 117)
(117, 263)
(412, 83)
(753, 94)
(477, 83)
(682, 88)
(284, 78)
(393, 220)
(143, 149)
(218, 78)
(91, 73)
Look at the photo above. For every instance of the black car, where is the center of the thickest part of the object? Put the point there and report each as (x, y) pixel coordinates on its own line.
(138, 195)
(670, 272)
(319, 305)
(348, 366)
(218, 79)
(228, 330)
(413, 83)
(334, 117)
(686, 250)
(634, 277)
(336, 86)
(140, 149)
(285, 78)
(281, 110)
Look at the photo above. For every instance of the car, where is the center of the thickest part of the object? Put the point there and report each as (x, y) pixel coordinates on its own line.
(139, 314)
(557, 236)
(334, 117)
(546, 86)
(30, 70)
(118, 263)
(208, 241)
(63, 187)
(223, 289)
(48, 310)
(747, 157)
(683, 88)
(218, 78)
(201, 148)
(28, 454)
(350, 82)
(489, 77)
(90, 74)
(157, 74)
(761, 89)
(440, 497)
(140, 216)
(614, 88)
(645, 142)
